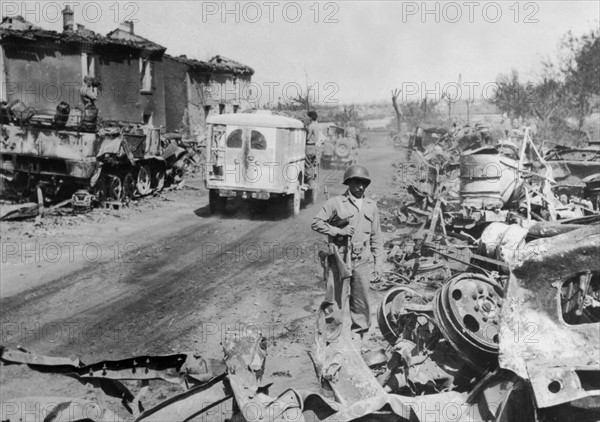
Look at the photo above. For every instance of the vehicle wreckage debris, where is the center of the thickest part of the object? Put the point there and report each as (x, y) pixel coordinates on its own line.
(466, 344)
(486, 309)
(120, 162)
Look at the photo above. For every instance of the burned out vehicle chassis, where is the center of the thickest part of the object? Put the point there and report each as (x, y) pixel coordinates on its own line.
(527, 365)
(112, 163)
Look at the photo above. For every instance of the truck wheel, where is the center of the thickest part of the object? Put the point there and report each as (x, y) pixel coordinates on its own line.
(115, 188)
(100, 189)
(216, 203)
(311, 195)
(144, 181)
(128, 186)
(292, 204)
(158, 180)
(343, 148)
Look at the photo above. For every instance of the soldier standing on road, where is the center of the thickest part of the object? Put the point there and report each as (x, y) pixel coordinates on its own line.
(312, 138)
(351, 222)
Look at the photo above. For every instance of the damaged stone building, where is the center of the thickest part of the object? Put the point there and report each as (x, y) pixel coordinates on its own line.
(139, 82)
(196, 89)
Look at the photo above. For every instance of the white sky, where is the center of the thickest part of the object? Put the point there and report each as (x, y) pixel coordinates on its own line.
(373, 47)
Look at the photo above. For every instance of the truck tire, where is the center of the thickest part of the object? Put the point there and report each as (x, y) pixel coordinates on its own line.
(128, 186)
(115, 188)
(158, 179)
(143, 183)
(100, 189)
(292, 204)
(216, 203)
(343, 148)
(311, 195)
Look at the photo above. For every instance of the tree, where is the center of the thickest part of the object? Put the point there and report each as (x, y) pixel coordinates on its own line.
(513, 97)
(395, 93)
(548, 106)
(582, 73)
(577, 68)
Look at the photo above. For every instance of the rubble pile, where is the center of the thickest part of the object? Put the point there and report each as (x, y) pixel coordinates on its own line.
(481, 348)
(463, 187)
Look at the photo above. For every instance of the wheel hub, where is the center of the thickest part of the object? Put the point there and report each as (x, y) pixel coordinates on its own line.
(467, 309)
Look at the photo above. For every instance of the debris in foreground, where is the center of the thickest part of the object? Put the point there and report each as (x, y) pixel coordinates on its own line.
(523, 349)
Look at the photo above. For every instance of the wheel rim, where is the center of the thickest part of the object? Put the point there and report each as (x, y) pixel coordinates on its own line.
(392, 308)
(144, 182)
(128, 186)
(467, 310)
(115, 188)
(159, 180)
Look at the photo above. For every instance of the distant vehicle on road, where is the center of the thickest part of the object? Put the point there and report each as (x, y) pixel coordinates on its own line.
(340, 148)
(257, 157)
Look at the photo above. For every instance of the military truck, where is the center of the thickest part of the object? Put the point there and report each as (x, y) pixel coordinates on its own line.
(340, 148)
(258, 157)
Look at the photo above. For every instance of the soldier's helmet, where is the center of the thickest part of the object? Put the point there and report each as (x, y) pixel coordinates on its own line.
(356, 171)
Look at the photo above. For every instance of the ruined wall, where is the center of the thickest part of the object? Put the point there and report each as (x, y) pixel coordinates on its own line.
(121, 97)
(42, 78)
(246, 92)
(223, 90)
(157, 102)
(197, 93)
(176, 97)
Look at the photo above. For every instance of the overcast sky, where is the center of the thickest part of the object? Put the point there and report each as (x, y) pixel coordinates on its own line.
(352, 50)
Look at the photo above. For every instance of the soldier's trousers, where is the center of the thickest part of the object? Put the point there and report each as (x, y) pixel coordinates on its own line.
(310, 162)
(359, 287)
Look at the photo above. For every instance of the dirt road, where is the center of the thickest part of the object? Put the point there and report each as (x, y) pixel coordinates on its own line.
(166, 276)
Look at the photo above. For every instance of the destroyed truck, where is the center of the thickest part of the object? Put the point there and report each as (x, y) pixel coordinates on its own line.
(258, 157)
(62, 155)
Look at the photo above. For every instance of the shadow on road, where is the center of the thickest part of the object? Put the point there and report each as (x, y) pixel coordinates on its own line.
(243, 210)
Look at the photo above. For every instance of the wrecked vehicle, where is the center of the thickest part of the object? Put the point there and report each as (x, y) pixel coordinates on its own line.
(258, 157)
(112, 162)
(340, 149)
(576, 171)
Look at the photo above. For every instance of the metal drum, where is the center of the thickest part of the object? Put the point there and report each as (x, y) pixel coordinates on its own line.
(487, 179)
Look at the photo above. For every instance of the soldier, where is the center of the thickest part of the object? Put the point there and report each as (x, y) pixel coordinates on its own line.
(312, 139)
(351, 222)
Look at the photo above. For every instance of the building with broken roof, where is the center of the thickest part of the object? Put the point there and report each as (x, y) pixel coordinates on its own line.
(139, 82)
(43, 67)
(196, 89)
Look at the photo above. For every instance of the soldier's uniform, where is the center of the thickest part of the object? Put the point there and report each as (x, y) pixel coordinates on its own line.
(312, 138)
(364, 246)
